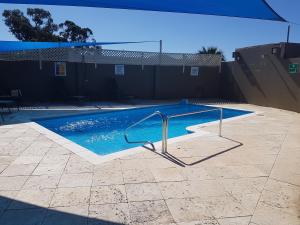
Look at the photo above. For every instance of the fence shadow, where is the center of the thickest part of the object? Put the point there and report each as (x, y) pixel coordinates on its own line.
(181, 163)
(22, 213)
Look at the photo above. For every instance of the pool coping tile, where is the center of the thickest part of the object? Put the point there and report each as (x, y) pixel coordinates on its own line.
(96, 159)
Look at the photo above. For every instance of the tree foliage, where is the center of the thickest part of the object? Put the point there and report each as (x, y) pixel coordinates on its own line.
(213, 51)
(38, 25)
(72, 32)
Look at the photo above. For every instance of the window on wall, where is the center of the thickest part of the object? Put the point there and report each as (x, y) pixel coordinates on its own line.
(119, 70)
(60, 69)
(194, 71)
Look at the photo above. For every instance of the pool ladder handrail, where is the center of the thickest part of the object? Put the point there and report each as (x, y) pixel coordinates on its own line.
(163, 118)
(165, 125)
(200, 112)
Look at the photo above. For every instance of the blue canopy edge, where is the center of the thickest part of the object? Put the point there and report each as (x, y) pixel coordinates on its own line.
(254, 9)
(10, 46)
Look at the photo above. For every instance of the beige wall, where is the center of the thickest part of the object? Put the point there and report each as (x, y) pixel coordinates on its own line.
(261, 78)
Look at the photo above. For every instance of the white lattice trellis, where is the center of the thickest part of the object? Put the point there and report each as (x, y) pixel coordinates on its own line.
(104, 56)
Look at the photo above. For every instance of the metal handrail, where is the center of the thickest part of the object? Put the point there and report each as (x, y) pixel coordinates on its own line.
(163, 118)
(165, 126)
(192, 113)
(165, 149)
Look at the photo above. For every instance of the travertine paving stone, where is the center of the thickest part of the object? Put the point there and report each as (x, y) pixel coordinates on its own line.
(138, 176)
(76, 180)
(19, 170)
(282, 195)
(200, 222)
(56, 149)
(12, 183)
(150, 212)
(108, 194)
(107, 177)
(6, 160)
(49, 169)
(243, 186)
(172, 190)
(188, 210)
(230, 206)
(270, 215)
(55, 159)
(70, 196)
(3, 167)
(235, 221)
(25, 160)
(78, 165)
(115, 213)
(42, 182)
(195, 173)
(32, 198)
(133, 164)
(143, 192)
(251, 177)
(168, 174)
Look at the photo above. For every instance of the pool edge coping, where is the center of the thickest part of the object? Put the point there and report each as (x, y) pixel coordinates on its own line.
(96, 159)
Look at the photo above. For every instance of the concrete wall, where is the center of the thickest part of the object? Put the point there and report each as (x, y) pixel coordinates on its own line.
(101, 82)
(262, 78)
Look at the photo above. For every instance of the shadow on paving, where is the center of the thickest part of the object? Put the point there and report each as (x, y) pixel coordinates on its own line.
(29, 214)
(181, 163)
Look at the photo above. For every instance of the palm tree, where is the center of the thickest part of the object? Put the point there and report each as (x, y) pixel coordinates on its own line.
(213, 51)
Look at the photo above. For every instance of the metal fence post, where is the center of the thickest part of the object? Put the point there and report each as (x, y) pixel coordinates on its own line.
(165, 134)
(221, 122)
(40, 59)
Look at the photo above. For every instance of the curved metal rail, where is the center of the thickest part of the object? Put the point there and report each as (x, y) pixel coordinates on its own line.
(165, 126)
(200, 112)
(165, 149)
(163, 118)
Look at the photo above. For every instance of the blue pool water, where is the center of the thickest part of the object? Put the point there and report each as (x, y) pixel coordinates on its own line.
(103, 133)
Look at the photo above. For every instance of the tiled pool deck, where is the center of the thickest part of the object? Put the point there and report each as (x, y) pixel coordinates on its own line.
(253, 180)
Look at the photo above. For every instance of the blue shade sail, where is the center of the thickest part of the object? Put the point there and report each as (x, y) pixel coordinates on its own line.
(255, 9)
(9, 46)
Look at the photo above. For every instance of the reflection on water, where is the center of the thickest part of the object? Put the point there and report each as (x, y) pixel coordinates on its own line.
(103, 137)
(78, 125)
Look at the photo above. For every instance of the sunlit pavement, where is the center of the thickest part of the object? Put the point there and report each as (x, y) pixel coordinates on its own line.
(249, 177)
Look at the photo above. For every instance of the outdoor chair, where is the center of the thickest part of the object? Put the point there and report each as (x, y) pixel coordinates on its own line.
(16, 95)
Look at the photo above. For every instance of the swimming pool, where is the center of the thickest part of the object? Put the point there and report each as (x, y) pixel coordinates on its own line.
(103, 133)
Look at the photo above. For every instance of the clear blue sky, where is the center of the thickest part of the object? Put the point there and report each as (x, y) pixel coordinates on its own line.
(179, 32)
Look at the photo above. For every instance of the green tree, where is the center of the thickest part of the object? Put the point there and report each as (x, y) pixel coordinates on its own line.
(38, 25)
(213, 51)
(72, 32)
